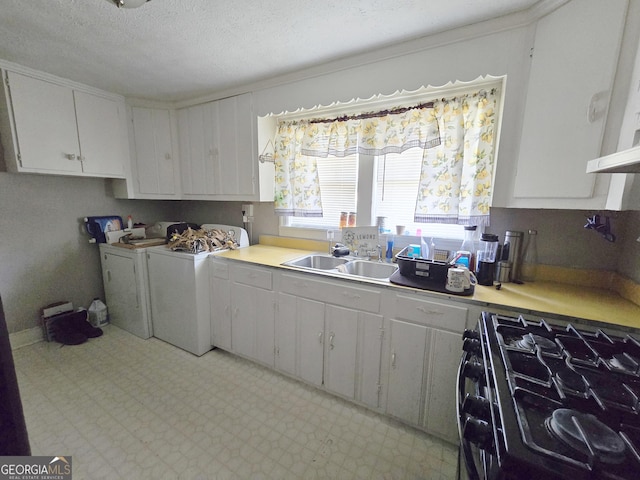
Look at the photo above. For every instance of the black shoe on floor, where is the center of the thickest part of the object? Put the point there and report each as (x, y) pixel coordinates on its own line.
(78, 321)
(64, 332)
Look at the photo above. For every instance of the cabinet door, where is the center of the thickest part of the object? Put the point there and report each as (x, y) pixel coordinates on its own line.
(341, 331)
(221, 313)
(286, 334)
(153, 151)
(120, 288)
(440, 409)
(101, 132)
(311, 339)
(253, 323)
(406, 369)
(237, 146)
(45, 122)
(369, 358)
(572, 71)
(199, 139)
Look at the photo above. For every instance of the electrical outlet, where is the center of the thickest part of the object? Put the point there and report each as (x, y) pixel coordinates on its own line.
(248, 210)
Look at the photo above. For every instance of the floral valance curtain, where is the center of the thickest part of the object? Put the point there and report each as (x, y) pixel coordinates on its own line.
(298, 144)
(456, 182)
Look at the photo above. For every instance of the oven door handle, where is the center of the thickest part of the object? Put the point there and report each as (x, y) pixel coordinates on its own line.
(465, 445)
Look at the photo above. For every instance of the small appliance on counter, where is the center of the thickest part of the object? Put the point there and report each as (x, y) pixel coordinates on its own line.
(486, 259)
(97, 227)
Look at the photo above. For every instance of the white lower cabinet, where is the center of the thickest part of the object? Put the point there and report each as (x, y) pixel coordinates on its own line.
(252, 314)
(220, 305)
(396, 353)
(341, 331)
(407, 347)
(335, 346)
(440, 407)
(425, 344)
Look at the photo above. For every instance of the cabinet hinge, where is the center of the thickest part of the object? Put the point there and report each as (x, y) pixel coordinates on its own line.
(19, 159)
(381, 333)
(6, 78)
(531, 52)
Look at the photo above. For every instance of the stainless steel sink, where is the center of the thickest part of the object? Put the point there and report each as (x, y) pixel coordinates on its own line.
(317, 262)
(344, 266)
(364, 268)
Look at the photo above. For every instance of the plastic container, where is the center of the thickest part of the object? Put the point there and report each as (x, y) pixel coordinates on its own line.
(469, 244)
(389, 248)
(488, 248)
(98, 313)
(344, 216)
(430, 270)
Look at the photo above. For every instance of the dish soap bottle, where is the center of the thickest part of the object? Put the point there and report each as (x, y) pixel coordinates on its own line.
(530, 260)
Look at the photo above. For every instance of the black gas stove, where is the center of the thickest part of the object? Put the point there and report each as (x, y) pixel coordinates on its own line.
(537, 400)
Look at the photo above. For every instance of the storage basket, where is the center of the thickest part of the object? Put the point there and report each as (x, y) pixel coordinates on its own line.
(420, 268)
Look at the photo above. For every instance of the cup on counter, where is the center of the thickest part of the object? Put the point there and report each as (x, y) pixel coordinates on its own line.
(460, 279)
(400, 229)
(455, 280)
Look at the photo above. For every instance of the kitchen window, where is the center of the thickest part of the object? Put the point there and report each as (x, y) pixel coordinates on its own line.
(389, 190)
(429, 167)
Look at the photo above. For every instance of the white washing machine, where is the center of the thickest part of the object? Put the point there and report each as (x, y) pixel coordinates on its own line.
(179, 291)
(126, 288)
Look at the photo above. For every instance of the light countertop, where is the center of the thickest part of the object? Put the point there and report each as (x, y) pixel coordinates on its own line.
(540, 297)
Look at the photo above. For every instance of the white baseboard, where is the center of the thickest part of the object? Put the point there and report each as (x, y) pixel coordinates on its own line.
(26, 337)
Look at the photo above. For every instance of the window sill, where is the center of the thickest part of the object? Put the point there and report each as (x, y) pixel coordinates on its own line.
(399, 241)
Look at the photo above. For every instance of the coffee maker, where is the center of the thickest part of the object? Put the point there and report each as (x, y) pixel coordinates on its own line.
(486, 259)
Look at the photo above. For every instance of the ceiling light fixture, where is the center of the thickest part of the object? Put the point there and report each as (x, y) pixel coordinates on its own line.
(130, 3)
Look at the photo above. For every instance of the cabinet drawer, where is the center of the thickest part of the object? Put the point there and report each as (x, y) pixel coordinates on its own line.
(220, 270)
(336, 293)
(432, 314)
(256, 277)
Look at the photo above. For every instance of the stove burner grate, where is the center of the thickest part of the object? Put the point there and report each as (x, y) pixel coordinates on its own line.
(585, 433)
(530, 341)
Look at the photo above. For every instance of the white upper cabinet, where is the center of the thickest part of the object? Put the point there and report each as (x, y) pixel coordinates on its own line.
(218, 150)
(56, 129)
(154, 159)
(573, 66)
(199, 139)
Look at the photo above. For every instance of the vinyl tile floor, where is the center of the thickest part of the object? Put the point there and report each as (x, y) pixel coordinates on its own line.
(127, 408)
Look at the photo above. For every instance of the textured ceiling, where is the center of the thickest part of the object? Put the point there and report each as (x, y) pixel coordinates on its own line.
(177, 49)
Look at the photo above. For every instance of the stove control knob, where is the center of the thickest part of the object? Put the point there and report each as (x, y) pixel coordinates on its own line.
(478, 432)
(472, 345)
(478, 407)
(473, 369)
(471, 334)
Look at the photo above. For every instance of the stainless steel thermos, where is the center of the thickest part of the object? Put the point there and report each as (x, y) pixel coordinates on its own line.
(512, 252)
